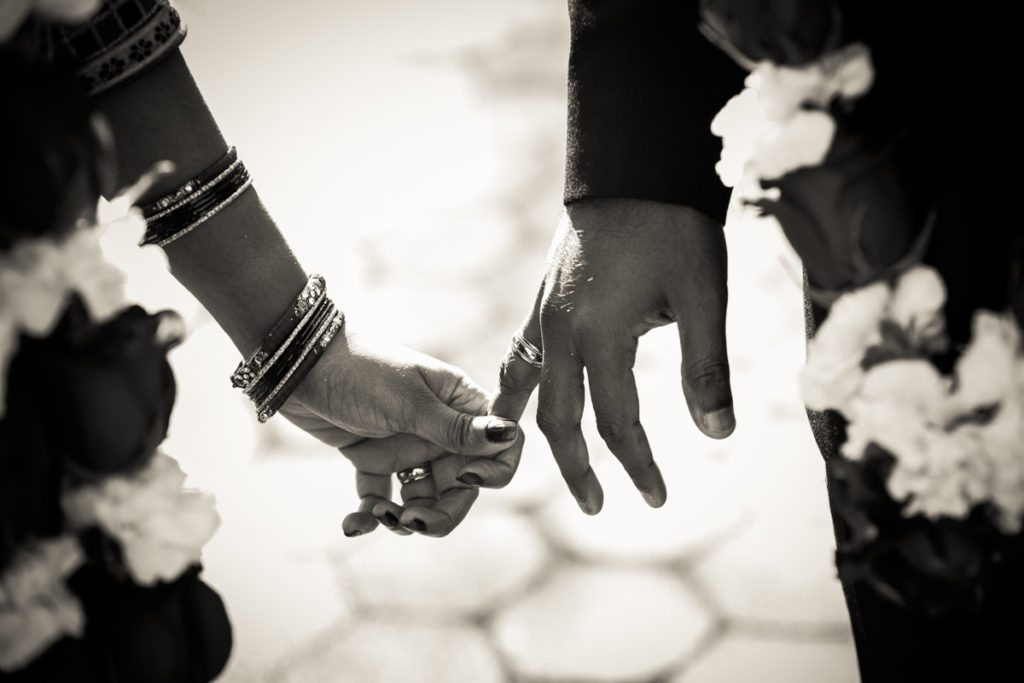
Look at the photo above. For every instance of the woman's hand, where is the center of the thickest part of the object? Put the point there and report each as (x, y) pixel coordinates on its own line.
(389, 408)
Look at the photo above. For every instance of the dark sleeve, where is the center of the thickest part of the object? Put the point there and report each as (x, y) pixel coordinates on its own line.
(644, 85)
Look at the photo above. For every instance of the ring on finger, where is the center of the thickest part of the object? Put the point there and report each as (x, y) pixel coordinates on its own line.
(417, 473)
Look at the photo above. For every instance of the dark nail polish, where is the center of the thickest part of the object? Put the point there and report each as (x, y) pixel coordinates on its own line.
(501, 431)
(389, 520)
(416, 525)
(353, 533)
(470, 479)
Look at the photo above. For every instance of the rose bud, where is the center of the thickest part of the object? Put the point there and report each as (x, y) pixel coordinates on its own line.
(859, 216)
(109, 389)
(786, 32)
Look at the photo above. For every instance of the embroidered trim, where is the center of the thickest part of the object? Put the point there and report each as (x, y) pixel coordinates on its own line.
(126, 38)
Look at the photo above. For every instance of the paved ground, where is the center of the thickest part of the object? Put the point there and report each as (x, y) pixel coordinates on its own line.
(412, 151)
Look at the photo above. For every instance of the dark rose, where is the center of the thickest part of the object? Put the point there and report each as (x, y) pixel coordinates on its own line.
(930, 567)
(105, 392)
(788, 32)
(175, 632)
(861, 212)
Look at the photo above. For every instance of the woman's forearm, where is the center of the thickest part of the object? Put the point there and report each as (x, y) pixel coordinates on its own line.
(237, 264)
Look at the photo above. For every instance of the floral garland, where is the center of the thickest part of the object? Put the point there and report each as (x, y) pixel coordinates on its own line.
(930, 483)
(98, 532)
(957, 441)
(159, 525)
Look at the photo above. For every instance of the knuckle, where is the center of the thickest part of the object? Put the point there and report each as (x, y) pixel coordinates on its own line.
(508, 383)
(460, 429)
(707, 373)
(551, 425)
(615, 432)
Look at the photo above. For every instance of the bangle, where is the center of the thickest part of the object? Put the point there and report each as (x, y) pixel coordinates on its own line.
(310, 355)
(182, 211)
(288, 355)
(290, 349)
(191, 189)
(282, 332)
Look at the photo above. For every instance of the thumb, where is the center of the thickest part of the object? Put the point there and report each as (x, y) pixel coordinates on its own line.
(705, 371)
(467, 433)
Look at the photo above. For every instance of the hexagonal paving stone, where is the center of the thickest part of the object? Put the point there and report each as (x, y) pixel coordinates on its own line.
(702, 506)
(773, 660)
(779, 570)
(385, 652)
(602, 625)
(275, 604)
(490, 555)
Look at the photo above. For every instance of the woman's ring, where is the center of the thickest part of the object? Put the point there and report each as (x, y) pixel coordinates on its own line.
(412, 474)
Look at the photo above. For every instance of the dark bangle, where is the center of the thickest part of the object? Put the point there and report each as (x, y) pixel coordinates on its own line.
(309, 357)
(281, 332)
(286, 356)
(290, 349)
(164, 205)
(196, 201)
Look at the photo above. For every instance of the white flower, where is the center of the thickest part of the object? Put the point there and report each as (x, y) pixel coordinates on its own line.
(984, 371)
(36, 278)
(36, 608)
(780, 123)
(14, 12)
(160, 526)
(896, 406)
(800, 141)
(917, 303)
(740, 123)
(833, 373)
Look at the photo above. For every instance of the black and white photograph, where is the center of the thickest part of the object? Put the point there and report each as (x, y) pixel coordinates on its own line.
(510, 341)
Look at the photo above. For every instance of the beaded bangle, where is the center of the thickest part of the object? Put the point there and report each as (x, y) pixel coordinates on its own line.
(289, 355)
(289, 349)
(182, 211)
(282, 332)
(191, 189)
(310, 355)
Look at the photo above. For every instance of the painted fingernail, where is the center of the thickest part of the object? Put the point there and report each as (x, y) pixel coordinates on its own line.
(416, 525)
(501, 431)
(720, 423)
(353, 533)
(389, 520)
(470, 479)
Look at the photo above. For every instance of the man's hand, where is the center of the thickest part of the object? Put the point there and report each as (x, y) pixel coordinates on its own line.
(389, 408)
(618, 268)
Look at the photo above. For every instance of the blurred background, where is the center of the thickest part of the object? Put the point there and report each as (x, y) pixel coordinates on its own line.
(412, 153)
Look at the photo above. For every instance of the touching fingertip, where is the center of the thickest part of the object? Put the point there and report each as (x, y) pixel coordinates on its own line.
(471, 479)
(500, 430)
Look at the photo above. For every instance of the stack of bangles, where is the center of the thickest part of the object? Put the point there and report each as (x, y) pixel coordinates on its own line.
(196, 201)
(289, 350)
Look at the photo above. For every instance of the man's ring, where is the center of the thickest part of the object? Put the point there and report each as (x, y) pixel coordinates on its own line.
(414, 474)
(527, 351)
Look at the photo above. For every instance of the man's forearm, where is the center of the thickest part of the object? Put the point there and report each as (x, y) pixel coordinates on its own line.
(237, 264)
